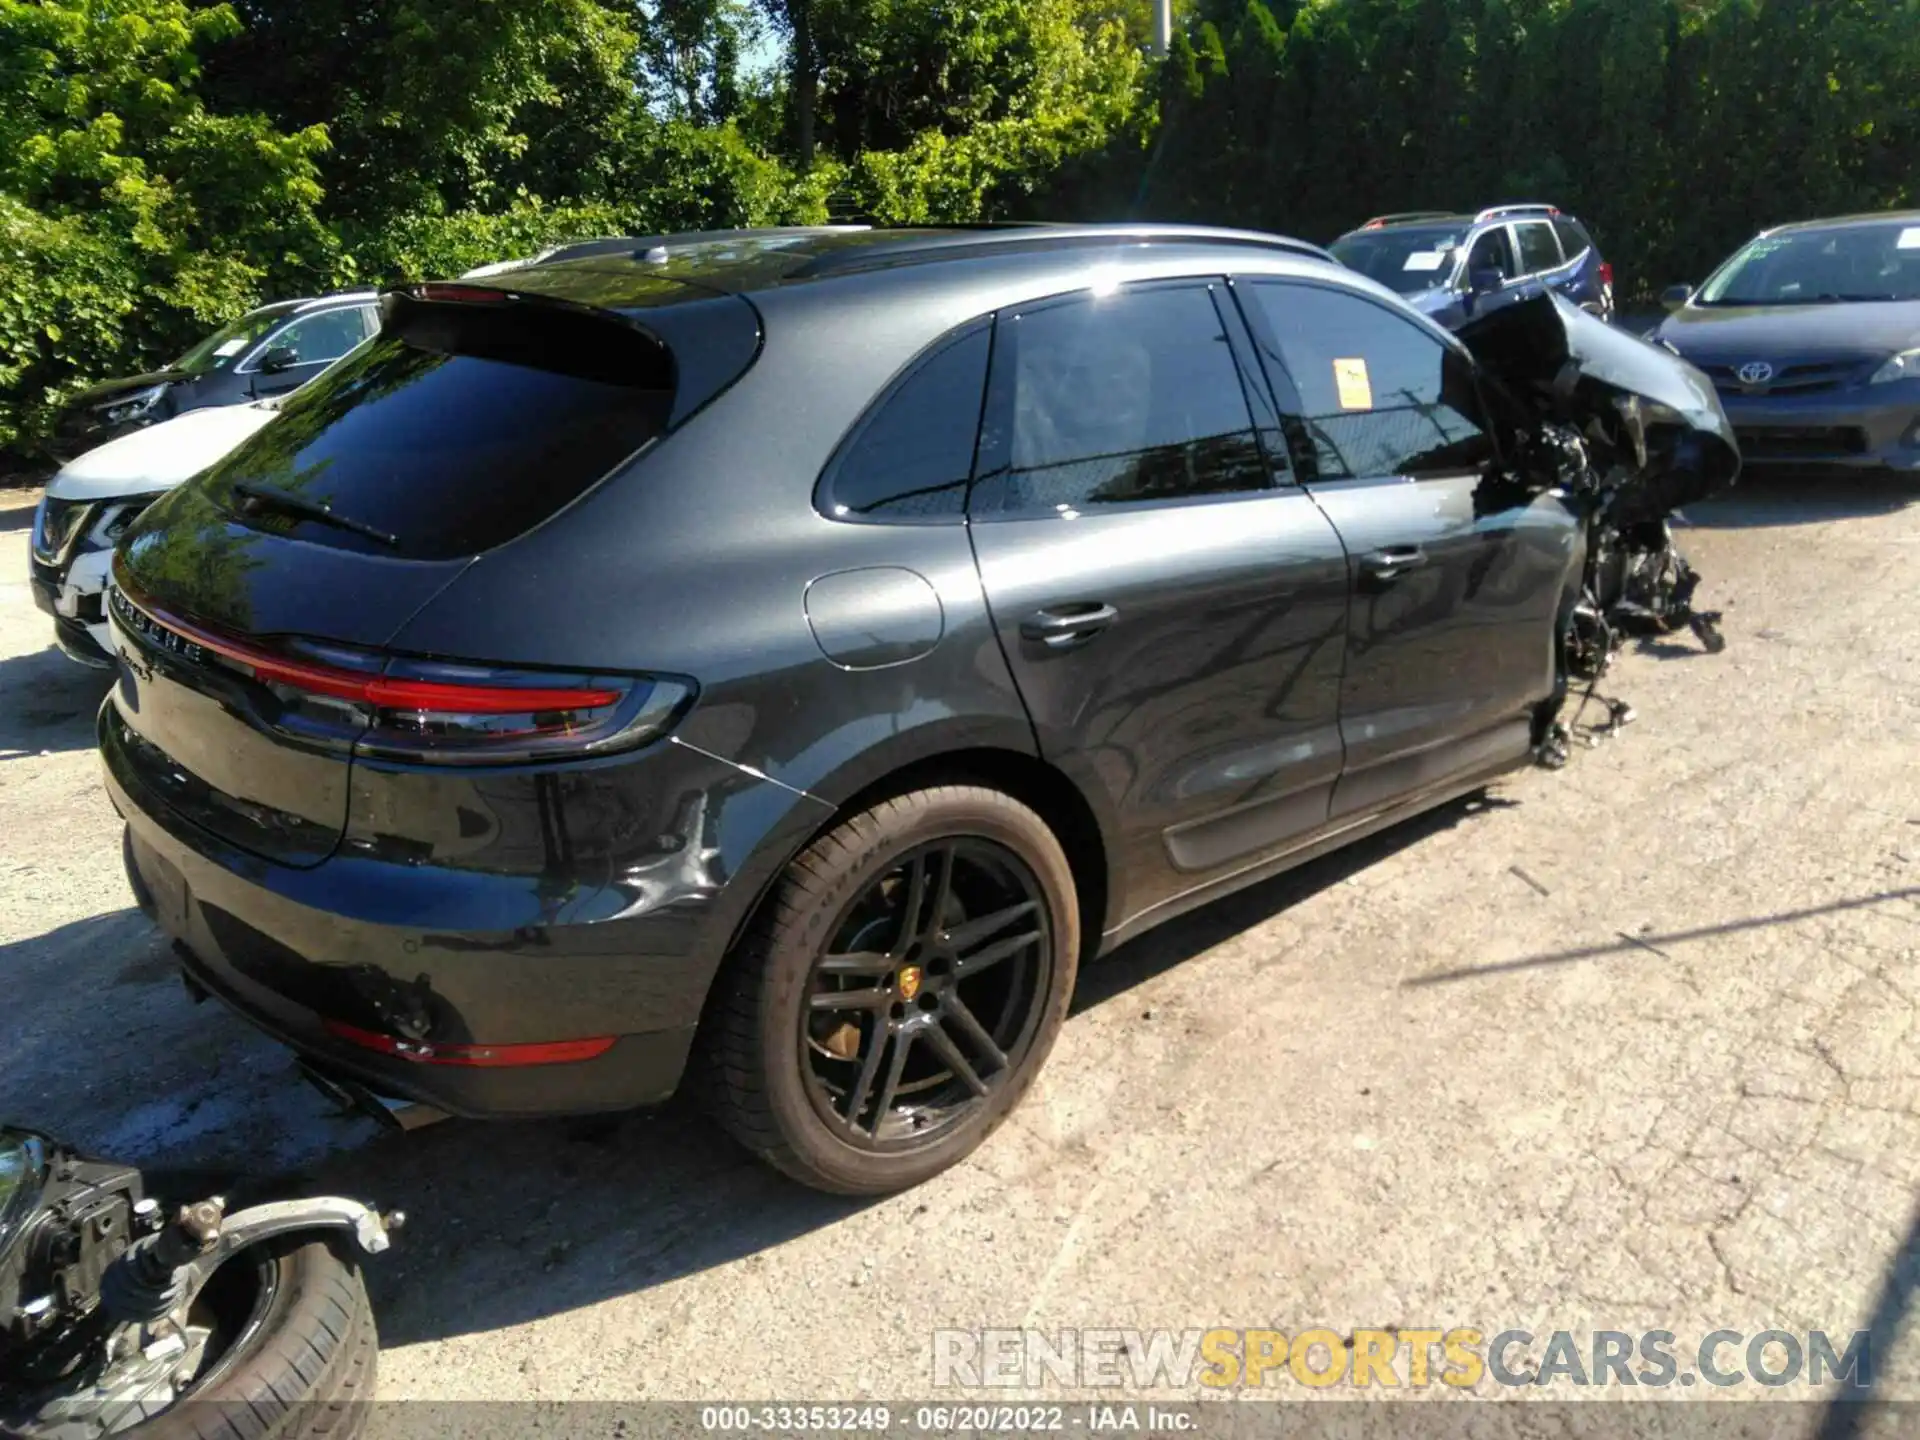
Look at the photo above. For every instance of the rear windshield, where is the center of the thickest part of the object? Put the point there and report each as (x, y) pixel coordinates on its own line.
(1405, 259)
(460, 427)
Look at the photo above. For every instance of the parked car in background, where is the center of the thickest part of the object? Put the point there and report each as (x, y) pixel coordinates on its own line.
(265, 352)
(781, 660)
(1811, 334)
(1456, 266)
(91, 501)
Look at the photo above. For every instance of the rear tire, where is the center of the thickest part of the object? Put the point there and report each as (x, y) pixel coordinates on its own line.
(827, 1012)
(304, 1370)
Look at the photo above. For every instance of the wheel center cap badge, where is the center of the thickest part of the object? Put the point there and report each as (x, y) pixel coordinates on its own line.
(908, 981)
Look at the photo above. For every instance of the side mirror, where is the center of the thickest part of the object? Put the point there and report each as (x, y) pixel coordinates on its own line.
(280, 357)
(1674, 296)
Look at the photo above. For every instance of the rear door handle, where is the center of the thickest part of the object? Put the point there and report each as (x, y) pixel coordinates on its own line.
(1064, 626)
(1392, 563)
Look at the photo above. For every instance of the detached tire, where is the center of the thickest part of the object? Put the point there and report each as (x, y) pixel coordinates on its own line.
(898, 993)
(302, 1366)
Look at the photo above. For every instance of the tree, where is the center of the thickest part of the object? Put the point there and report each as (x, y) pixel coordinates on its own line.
(132, 216)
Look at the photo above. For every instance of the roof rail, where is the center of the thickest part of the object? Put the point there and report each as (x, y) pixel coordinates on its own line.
(1041, 235)
(1497, 212)
(1402, 217)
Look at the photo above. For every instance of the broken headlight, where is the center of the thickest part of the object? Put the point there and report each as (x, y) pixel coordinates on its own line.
(137, 406)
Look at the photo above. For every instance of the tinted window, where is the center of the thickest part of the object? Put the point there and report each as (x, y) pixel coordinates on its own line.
(1378, 394)
(322, 337)
(457, 428)
(911, 458)
(1573, 239)
(1492, 251)
(1105, 400)
(1539, 250)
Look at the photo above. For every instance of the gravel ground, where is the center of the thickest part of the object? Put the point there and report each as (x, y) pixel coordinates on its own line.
(1626, 1047)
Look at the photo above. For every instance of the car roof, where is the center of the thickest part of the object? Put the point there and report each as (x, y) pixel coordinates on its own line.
(1847, 222)
(663, 270)
(1441, 219)
(343, 297)
(300, 305)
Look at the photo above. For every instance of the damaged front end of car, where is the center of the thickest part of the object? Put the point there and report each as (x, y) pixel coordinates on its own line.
(1629, 433)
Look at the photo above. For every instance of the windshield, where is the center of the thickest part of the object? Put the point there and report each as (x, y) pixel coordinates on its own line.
(1817, 267)
(227, 344)
(1408, 259)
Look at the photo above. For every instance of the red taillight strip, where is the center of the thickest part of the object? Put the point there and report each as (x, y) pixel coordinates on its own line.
(420, 1052)
(381, 690)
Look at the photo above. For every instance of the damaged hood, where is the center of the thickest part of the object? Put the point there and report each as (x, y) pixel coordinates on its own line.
(1648, 411)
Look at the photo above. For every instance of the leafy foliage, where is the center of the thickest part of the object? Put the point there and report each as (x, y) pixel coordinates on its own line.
(1676, 128)
(165, 164)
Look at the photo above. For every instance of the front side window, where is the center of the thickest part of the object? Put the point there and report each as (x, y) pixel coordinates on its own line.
(1101, 400)
(323, 337)
(1539, 250)
(1492, 251)
(910, 459)
(1378, 394)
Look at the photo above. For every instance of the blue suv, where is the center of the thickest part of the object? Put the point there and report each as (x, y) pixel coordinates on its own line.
(1453, 267)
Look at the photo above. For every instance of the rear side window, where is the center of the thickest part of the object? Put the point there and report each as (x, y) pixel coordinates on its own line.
(1378, 395)
(1573, 239)
(458, 428)
(1539, 250)
(910, 459)
(1114, 399)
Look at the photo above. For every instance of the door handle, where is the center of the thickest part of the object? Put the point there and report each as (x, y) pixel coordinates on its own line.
(1392, 563)
(1066, 626)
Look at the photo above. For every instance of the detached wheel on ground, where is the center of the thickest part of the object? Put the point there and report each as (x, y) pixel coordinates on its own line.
(898, 993)
(292, 1353)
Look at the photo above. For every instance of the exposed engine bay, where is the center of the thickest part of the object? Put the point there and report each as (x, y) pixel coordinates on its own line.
(1629, 433)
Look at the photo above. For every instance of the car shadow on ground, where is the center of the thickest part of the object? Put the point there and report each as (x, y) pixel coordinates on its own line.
(47, 703)
(523, 1221)
(509, 1222)
(1847, 1414)
(1789, 497)
(15, 517)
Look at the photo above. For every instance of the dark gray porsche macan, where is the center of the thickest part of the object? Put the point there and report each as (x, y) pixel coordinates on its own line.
(784, 658)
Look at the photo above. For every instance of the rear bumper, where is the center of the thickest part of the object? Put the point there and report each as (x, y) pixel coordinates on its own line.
(1858, 429)
(418, 951)
(640, 1069)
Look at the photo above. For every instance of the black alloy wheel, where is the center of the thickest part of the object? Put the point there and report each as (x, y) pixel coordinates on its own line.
(898, 992)
(928, 992)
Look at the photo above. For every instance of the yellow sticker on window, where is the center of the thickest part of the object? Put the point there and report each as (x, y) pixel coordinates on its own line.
(1351, 382)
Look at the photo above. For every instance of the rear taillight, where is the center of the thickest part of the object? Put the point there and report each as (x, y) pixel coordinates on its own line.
(1606, 273)
(410, 708)
(423, 1052)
